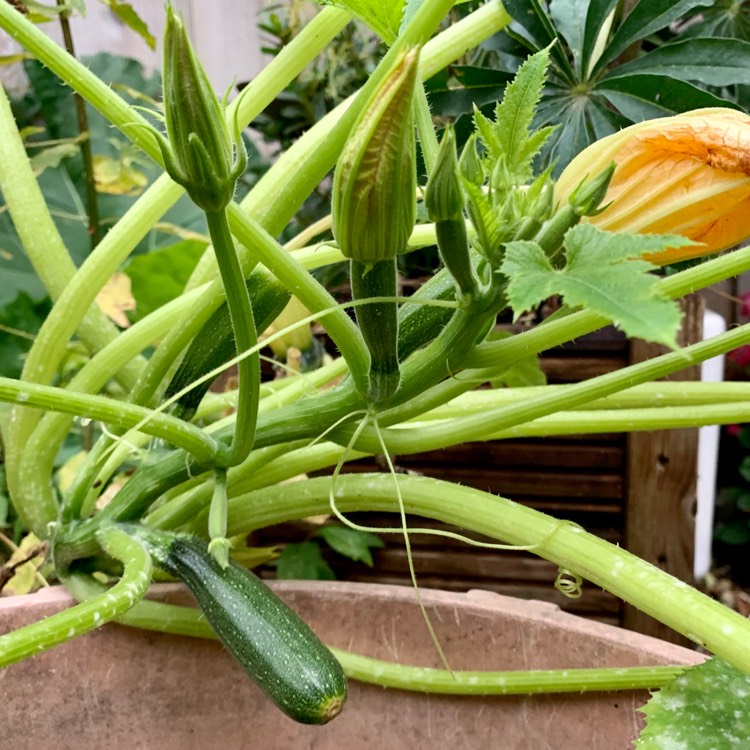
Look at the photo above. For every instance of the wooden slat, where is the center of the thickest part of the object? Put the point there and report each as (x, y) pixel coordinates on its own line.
(662, 486)
(508, 454)
(574, 369)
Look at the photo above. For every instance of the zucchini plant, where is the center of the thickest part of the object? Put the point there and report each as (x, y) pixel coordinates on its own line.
(406, 376)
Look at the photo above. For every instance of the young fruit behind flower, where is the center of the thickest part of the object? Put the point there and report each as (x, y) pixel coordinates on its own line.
(688, 174)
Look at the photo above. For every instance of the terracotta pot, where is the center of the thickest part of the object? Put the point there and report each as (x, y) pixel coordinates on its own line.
(121, 688)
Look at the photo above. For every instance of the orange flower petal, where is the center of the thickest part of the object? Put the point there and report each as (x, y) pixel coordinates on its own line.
(687, 175)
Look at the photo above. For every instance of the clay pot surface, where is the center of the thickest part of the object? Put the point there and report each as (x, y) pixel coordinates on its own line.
(120, 688)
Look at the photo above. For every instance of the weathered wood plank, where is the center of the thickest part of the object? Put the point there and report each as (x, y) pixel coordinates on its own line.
(662, 475)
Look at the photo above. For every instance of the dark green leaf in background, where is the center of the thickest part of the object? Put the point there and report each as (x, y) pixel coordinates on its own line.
(714, 62)
(598, 25)
(643, 96)
(20, 319)
(647, 17)
(351, 543)
(303, 561)
(160, 276)
(458, 88)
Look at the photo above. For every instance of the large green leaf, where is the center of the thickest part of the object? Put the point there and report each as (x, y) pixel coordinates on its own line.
(714, 62)
(642, 96)
(351, 543)
(705, 708)
(569, 17)
(534, 28)
(382, 16)
(648, 17)
(160, 276)
(303, 561)
(583, 119)
(602, 273)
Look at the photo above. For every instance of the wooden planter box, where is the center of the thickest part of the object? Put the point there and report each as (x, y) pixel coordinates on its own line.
(123, 688)
(636, 490)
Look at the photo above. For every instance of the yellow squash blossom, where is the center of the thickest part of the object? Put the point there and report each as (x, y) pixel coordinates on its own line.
(688, 174)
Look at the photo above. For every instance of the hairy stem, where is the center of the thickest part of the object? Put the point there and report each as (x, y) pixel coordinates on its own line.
(105, 606)
(673, 602)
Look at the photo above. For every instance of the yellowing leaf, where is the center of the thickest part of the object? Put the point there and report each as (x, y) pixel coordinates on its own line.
(118, 176)
(24, 579)
(52, 156)
(116, 298)
(68, 471)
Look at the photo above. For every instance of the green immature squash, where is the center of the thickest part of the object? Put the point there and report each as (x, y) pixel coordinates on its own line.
(272, 643)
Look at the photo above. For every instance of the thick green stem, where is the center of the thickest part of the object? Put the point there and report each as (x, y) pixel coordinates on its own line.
(515, 682)
(185, 507)
(245, 337)
(189, 621)
(313, 296)
(38, 457)
(673, 602)
(484, 425)
(115, 413)
(107, 605)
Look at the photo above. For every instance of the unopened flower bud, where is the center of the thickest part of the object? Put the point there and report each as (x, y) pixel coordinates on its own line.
(470, 165)
(688, 175)
(444, 198)
(201, 155)
(587, 198)
(374, 185)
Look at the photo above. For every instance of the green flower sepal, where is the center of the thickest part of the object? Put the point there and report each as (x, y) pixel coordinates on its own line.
(201, 154)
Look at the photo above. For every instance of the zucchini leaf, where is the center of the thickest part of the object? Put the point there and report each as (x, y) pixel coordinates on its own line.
(705, 708)
(603, 273)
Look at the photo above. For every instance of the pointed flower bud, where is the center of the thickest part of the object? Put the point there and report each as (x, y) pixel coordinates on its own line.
(374, 185)
(201, 155)
(470, 165)
(588, 196)
(444, 198)
(687, 175)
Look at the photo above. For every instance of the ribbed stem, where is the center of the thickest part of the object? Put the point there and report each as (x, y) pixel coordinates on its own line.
(107, 605)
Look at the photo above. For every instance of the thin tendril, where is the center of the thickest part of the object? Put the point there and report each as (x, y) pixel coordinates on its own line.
(341, 421)
(407, 547)
(569, 584)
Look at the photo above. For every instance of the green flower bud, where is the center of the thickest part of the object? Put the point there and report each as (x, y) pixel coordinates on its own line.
(444, 198)
(590, 192)
(374, 185)
(470, 165)
(201, 155)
